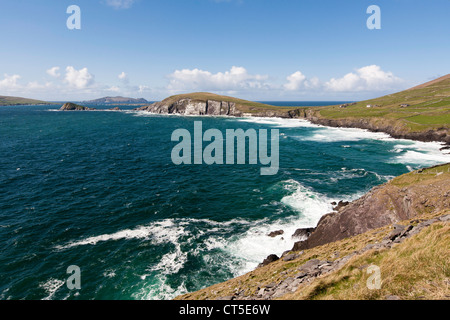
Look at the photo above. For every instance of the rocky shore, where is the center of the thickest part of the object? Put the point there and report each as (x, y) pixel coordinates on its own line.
(211, 107)
(314, 268)
(384, 217)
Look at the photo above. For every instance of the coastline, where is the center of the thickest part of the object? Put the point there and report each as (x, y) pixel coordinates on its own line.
(389, 218)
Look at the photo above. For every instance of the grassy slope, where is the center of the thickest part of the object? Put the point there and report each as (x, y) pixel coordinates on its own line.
(418, 267)
(16, 101)
(243, 105)
(429, 108)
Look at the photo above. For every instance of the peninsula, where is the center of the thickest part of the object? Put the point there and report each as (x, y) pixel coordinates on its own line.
(18, 101)
(117, 101)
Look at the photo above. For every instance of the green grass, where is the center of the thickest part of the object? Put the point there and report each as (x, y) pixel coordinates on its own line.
(16, 101)
(242, 105)
(429, 108)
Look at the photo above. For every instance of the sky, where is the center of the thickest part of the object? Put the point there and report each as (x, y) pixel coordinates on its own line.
(262, 50)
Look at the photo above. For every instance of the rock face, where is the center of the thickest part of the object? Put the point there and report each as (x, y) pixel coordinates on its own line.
(383, 205)
(303, 233)
(69, 106)
(191, 107)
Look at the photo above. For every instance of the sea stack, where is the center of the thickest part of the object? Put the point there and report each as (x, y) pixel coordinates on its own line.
(69, 106)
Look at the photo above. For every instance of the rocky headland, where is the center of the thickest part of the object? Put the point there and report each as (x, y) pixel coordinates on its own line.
(399, 226)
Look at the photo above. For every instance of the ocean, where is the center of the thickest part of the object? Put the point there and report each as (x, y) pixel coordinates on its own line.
(98, 190)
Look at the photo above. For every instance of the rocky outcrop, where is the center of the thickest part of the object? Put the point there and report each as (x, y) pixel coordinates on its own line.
(190, 107)
(69, 106)
(314, 268)
(383, 205)
(211, 107)
(303, 233)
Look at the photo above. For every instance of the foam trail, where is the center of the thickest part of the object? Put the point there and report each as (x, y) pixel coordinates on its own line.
(158, 232)
(280, 122)
(51, 286)
(254, 245)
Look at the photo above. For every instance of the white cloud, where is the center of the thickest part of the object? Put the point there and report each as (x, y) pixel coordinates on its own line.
(298, 81)
(295, 81)
(123, 76)
(369, 78)
(54, 72)
(143, 88)
(120, 4)
(79, 79)
(113, 89)
(9, 82)
(235, 79)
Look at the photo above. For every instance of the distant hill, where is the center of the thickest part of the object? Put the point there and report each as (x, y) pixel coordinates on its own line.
(117, 100)
(17, 101)
(420, 113)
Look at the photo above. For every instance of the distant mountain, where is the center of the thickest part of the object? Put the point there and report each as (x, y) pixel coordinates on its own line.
(117, 100)
(17, 101)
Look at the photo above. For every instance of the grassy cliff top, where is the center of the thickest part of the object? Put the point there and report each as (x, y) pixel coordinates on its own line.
(243, 105)
(16, 101)
(421, 108)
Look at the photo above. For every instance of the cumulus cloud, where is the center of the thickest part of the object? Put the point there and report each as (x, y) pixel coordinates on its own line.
(369, 78)
(79, 79)
(54, 72)
(120, 4)
(123, 76)
(9, 82)
(236, 79)
(298, 81)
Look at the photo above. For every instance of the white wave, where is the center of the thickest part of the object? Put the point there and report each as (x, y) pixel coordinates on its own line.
(158, 232)
(331, 134)
(159, 290)
(280, 122)
(421, 158)
(252, 247)
(419, 153)
(171, 262)
(51, 286)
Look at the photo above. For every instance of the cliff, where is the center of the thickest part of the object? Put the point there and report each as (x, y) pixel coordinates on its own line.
(203, 103)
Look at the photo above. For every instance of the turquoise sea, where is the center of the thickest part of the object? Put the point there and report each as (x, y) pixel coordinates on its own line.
(99, 190)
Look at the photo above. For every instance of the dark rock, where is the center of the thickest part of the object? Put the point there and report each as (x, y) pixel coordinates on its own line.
(275, 233)
(115, 109)
(69, 106)
(340, 205)
(271, 258)
(398, 229)
(303, 233)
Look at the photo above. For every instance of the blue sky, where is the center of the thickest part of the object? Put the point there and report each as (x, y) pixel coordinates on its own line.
(253, 49)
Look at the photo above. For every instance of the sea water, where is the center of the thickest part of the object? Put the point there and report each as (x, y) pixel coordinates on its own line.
(98, 190)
